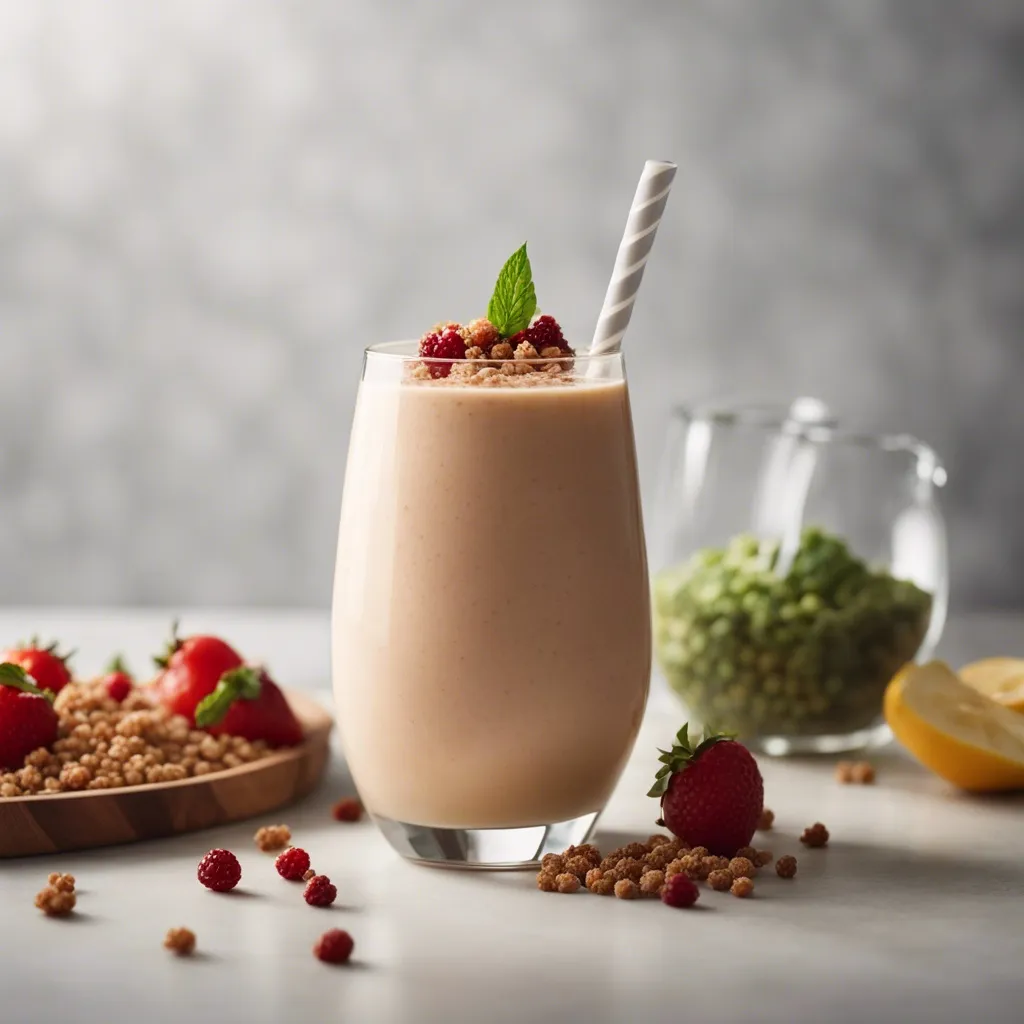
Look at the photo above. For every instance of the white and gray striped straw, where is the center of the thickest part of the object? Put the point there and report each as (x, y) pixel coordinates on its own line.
(634, 249)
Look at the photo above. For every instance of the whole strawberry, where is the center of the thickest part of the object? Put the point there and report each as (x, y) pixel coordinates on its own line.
(192, 667)
(711, 794)
(27, 718)
(247, 702)
(46, 665)
(205, 680)
(118, 681)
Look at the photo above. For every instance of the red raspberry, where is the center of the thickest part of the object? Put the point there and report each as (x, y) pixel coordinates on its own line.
(334, 947)
(349, 809)
(292, 864)
(449, 344)
(546, 333)
(220, 871)
(118, 685)
(320, 892)
(679, 891)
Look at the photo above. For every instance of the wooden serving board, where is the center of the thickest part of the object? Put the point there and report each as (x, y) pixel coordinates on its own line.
(103, 817)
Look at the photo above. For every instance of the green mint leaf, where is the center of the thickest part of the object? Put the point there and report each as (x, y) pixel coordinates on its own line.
(514, 300)
(237, 683)
(17, 678)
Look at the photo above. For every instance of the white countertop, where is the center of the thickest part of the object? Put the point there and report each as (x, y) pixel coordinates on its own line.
(915, 911)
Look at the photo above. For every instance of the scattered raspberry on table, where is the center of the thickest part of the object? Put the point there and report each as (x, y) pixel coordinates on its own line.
(220, 871)
(334, 946)
(292, 864)
(347, 809)
(320, 892)
(679, 891)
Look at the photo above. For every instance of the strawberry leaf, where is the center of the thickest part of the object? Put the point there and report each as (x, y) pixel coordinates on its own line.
(117, 664)
(682, 754)
(243, 683)
(35, 644)
(163, 660)
(17, 678)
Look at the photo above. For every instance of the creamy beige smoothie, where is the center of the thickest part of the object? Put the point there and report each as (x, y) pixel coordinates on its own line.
(491, 629)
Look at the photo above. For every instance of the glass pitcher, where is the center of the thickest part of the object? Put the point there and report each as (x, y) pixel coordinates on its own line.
(797, 566)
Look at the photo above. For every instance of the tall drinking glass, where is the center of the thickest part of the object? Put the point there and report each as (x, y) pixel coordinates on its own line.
(491, 619)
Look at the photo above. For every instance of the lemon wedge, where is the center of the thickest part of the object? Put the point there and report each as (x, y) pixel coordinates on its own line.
(1002, 679)
(960, 734)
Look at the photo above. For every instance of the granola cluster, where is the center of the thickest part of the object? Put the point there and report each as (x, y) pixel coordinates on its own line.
(181, 941)
(815, 835)
(271, 838)
(785, 867)
(102, 744)
(58, 897)
(644, 869)
(858, 773)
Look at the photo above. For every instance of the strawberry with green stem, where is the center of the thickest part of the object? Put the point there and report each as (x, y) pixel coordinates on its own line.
(206, 680)
(192, 668)
(247, 702)
(712, 793)
(46, 665)
(27, 718)
(118, 680)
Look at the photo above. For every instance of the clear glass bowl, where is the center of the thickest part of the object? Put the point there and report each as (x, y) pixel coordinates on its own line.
(798, 566)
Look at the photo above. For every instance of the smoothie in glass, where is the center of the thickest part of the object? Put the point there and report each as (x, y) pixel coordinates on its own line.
(491, 625)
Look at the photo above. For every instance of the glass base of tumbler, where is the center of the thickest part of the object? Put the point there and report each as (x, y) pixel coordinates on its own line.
(829, 743)
(493, 849)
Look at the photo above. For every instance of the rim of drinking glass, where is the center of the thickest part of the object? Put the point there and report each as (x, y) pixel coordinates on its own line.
(408, 351)
(768, 418)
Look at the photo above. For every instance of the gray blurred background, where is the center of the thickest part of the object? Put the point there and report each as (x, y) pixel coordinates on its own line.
(208, 208)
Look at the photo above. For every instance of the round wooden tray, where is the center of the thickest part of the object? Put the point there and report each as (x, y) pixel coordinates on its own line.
(103, 817)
